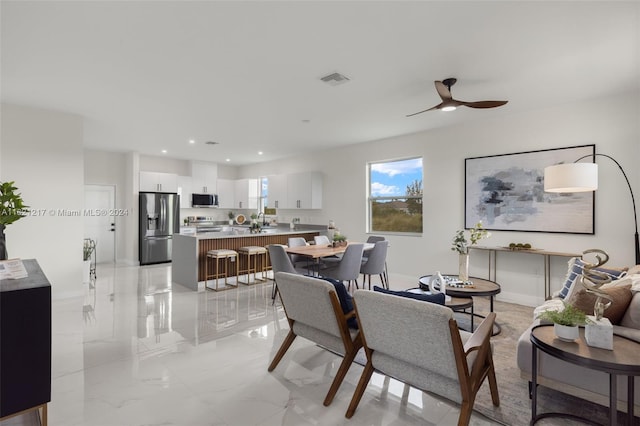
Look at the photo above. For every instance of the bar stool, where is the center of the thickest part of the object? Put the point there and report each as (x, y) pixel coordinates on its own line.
(267, 266)
(227, 257)
(253, 253)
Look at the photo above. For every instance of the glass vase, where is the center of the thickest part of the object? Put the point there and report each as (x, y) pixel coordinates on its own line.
(463, 267)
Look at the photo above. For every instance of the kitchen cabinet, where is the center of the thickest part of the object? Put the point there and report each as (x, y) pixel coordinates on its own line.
(277, 191)
(25, 342)
(295, 191)
(184, 191)
(158, 182)
(304, 190)
(226, 193)
(247, 193)
(204, 177)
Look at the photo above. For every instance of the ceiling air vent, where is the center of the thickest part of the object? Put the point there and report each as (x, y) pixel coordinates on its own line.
(211, 143)
(335, 79)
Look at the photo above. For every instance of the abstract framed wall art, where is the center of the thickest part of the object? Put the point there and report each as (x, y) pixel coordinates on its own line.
(506, 193)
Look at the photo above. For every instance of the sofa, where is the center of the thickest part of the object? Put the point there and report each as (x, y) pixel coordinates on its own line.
(579, 381)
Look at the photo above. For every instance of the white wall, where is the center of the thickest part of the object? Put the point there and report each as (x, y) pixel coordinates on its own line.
(42, 152)
(110, 168)
(612, 124)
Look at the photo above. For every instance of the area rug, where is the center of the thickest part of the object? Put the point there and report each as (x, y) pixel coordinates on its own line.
(515, 405)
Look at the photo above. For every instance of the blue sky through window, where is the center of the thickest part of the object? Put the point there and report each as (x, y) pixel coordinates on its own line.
(391, 178)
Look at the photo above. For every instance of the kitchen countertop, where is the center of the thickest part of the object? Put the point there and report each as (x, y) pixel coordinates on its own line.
(265, 231)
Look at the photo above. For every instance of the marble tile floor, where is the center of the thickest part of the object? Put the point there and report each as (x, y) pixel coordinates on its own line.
(137, 350)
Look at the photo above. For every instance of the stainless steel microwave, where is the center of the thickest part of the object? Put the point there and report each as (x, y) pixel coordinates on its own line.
(204, 200)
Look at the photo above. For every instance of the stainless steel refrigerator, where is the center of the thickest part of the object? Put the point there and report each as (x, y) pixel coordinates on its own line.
(159, 220)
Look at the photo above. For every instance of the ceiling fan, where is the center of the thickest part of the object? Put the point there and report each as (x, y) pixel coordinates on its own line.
(449, 104)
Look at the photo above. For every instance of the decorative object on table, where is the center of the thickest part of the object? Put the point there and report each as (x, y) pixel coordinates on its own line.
(437, 284)
(254, 218)
(339, 240)
(11, 209)
(461, 245)
(506, 192)
(255, 227)
(88, 250)
(331, 229)
(599, 331)
(240, 219)
(231, 215)
(583, 177)
(520, 246)
(565, 321)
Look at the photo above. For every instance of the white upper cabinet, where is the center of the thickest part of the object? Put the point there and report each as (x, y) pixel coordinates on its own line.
(295, 191)
(184, 191)
(204, 177)
(277, 191)
(247, 193)
(304, 190)
(226, 193)
(158, 182)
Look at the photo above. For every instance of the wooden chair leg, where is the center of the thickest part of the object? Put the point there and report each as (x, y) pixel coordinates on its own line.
(465, 413)
(283, 349)
(493, 384)
(340, 374)
(362, 386)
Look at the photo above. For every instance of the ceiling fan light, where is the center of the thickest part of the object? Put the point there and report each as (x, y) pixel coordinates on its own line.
(448, 108)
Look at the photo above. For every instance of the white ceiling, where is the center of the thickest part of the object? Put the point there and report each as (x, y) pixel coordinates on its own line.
(150, 75)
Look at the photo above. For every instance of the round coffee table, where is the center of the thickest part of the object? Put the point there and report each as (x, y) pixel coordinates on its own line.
(623, 360)
(480, 287)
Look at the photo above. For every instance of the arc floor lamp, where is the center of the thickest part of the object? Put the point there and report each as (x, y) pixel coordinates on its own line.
(583, 177)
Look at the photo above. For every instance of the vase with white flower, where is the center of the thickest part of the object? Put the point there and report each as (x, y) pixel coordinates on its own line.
(461, 245)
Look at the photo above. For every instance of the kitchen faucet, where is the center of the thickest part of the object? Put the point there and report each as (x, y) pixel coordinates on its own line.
(264, 219)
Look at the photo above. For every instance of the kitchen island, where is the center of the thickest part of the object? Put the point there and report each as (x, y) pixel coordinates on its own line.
(190, 251)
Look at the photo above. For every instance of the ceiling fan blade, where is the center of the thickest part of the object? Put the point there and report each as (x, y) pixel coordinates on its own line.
(443, 91)
(430, 109)
(483, 104)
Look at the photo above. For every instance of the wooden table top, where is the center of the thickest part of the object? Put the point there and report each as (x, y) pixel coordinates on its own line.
(316, 251)
(623, 359)
(481, 287)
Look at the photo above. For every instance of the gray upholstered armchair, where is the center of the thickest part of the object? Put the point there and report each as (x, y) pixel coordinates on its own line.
(419, 344)
(314, 312)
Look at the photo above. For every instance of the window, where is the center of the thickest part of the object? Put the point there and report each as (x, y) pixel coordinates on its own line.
(395, 196)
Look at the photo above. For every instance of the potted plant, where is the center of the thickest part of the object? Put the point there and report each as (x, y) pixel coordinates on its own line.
(231, 215)
(461, 245)
(88, 249)
(339, 240)
(565, 321)
(11, 209)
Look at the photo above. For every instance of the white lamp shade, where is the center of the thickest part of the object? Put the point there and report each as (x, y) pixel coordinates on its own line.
(572, 177)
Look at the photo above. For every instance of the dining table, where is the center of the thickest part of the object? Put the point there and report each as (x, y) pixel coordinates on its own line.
(315, 252)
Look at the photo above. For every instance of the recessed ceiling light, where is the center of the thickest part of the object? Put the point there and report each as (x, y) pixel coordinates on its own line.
(164, 151)
(227, 160)
(259, 152)
(191, 141)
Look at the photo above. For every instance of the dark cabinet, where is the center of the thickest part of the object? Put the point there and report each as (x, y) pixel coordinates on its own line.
(25, 342)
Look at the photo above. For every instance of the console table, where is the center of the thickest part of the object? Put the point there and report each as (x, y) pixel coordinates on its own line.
(25, 343)
(623, 360)
(546, 254)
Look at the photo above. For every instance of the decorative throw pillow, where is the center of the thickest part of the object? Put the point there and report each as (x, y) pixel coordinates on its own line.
(346, 303)
(631, 317)
(576, 266)
(438, 298)
(621, 296)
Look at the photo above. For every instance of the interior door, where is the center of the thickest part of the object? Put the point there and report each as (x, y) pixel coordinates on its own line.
(99, 224)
